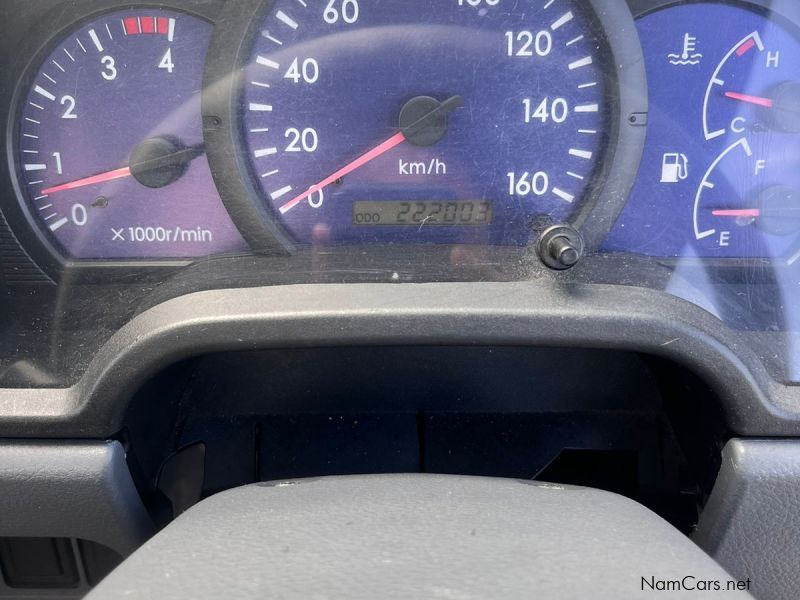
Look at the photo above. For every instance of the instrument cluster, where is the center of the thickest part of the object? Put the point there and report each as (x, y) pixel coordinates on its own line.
(198, 144)
(150, 134)
(142, 133)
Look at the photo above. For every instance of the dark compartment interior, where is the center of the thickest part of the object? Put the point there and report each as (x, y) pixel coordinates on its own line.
(624, 422)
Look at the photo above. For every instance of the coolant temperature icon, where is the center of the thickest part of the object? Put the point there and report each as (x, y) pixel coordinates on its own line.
(688, 54)
(674, 168)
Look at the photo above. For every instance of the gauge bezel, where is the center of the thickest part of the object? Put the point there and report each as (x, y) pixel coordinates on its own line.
(642, 8)
(260, 224)
(42, 248)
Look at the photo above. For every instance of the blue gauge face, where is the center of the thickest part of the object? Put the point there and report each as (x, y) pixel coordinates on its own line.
(719, 176)
(397, 121)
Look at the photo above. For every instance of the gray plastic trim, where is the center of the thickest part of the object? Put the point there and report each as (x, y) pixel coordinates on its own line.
(534, 313)
(72, 490)
(751, 523)
(414, 536)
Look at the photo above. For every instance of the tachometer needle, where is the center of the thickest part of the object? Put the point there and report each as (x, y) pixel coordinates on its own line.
(94, 179)
(752, 213)
(395, 140)
(757, 100)
(154, 154)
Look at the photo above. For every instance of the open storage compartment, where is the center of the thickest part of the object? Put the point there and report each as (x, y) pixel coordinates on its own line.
(619, 421)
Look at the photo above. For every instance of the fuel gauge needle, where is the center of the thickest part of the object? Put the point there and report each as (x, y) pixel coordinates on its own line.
(752, 213)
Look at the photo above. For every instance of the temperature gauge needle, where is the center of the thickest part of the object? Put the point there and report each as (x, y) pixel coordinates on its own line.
(757, 100)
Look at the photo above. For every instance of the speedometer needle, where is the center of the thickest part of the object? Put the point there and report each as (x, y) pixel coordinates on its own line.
(757, 100)
(407, 132)
(397, 139)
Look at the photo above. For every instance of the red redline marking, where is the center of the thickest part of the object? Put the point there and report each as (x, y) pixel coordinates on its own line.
(745, 47)
(148, 24)
(131, 25)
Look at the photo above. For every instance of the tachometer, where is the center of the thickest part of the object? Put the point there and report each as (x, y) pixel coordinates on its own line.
(469, 121)
(110, 153)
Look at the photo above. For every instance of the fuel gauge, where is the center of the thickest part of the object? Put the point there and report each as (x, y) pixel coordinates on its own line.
(719, 175)
(723, 217)
(745, 202)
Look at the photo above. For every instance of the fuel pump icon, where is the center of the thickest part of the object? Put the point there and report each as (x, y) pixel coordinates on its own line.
(674, 168)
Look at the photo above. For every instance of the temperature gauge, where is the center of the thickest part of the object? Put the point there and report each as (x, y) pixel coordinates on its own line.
(744, 201)
(719, 176)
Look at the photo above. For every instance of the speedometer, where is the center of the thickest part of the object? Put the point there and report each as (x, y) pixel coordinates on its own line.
(472, 121)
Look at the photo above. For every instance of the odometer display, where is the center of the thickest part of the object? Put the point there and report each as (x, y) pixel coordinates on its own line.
(426, 213)
(503, 103)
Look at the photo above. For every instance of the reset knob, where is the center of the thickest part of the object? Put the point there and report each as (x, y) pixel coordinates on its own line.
(560, 247)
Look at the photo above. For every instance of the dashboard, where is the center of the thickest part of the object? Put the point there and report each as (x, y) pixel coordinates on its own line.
(140, 137)
(160, 150)
(410, 183)
(181, 134)
(207, 145)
